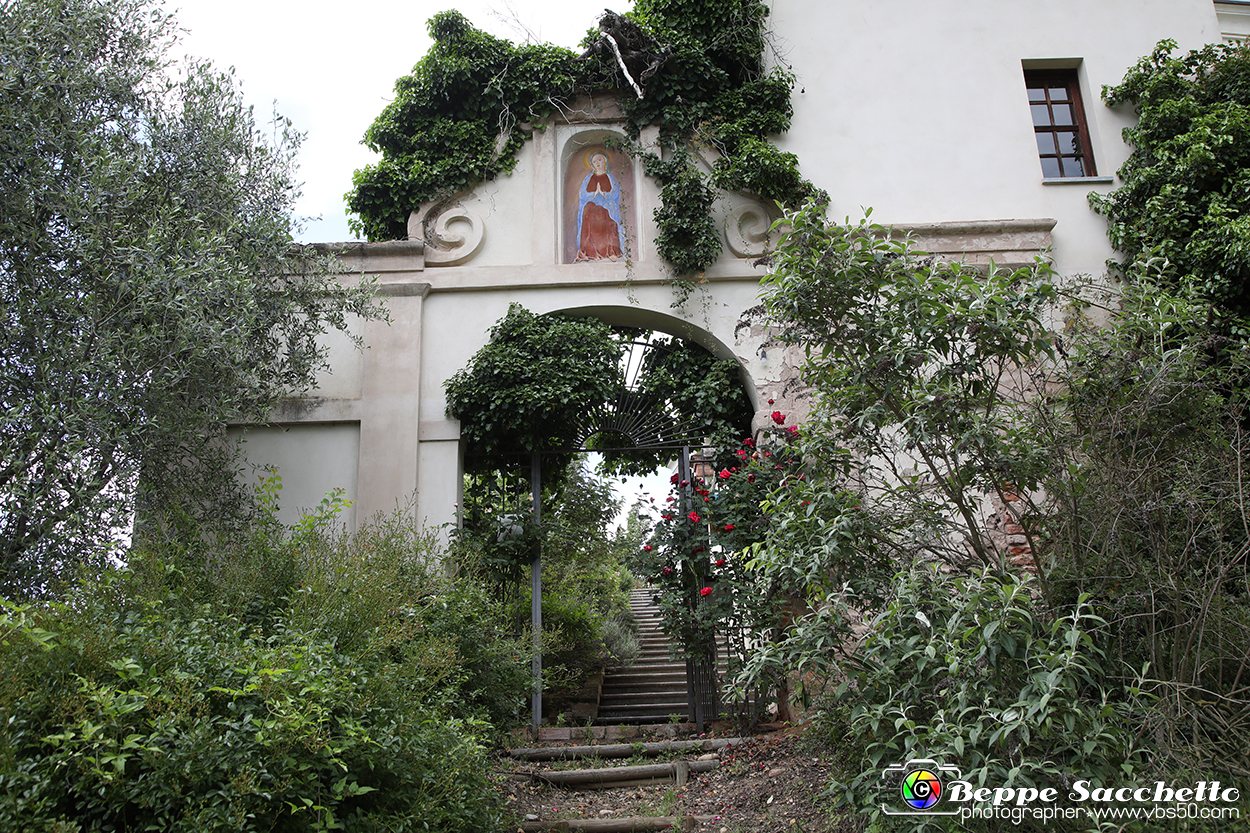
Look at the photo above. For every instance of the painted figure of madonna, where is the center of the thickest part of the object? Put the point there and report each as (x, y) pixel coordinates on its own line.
(599, 213)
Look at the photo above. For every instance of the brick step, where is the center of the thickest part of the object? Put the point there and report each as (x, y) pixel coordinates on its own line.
(645, 719)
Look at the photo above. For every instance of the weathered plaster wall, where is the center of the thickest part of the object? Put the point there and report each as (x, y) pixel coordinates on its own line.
(311, 458)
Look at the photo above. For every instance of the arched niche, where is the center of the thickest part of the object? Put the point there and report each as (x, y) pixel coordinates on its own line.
(598, 211)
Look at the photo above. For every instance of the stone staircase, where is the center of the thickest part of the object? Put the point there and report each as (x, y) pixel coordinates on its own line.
(653, 688)
(637, 707)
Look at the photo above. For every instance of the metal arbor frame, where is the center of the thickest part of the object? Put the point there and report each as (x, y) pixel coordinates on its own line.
(640, 420)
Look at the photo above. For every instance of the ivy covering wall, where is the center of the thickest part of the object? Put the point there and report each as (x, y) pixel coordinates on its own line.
(696, 69)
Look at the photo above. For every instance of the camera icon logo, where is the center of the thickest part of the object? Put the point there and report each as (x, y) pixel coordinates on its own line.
(921, 789)
(919, 783)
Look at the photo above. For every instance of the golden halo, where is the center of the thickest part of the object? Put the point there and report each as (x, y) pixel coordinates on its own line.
(591, 153)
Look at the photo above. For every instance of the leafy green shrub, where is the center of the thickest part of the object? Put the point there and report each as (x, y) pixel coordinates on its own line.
(384, 596)
(973, 671)
(1146, 511)
(1184, 195)
(347, 692)
(132, 718)
(572, 641)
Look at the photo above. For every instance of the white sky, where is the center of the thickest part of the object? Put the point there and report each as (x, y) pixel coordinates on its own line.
(331, 68)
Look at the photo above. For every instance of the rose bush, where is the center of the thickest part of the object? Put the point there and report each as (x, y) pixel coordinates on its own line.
(695, 557)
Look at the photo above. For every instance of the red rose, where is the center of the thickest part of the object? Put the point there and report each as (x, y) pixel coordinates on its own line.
(693, 516)
(706, 591)
(647, 548)
(770, 402)
(667, 571)
(729, 527)
(725, 474)
(750, 478)
(720, 562)
(792, 430)
(779, 418)
(674, 478)
(749, 443)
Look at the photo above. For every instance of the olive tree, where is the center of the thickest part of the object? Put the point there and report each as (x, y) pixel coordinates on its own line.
(149, 289)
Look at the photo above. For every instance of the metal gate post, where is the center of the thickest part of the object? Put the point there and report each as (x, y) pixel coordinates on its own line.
(536, 591)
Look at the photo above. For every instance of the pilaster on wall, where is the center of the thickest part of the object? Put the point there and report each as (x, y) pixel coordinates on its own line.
(390, 388)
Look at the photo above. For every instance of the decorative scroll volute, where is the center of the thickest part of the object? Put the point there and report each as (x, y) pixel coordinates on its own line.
(453, 234)
(747, 229)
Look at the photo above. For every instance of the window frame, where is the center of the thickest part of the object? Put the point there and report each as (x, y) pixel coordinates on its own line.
(1046, 80)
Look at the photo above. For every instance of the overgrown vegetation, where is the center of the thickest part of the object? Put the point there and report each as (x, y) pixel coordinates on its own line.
(536, 388)
(541, 383)
(529, 387)
(312, 681)
(587, 623)
(149, 289)
(970, 669)
(946, 413)
(458, 119)
(694, 68)
(1186, 184)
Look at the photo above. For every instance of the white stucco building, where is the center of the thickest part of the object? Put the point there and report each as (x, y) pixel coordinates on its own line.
(975, 123)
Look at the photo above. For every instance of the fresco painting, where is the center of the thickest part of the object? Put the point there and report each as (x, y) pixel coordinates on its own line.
(598, 204)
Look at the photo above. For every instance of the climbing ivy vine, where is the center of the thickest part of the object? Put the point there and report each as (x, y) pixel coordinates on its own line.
(459, 118)
(1186, 187)
(694, 68)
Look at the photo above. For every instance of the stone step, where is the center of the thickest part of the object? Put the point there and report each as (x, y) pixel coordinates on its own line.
(621, 750)
(635, 674)
(639, 693)
(672, 691)
(657, 668)
(657, 706)
(642, 698)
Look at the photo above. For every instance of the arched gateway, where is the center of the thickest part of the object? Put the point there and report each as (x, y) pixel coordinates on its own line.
(570, 230)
